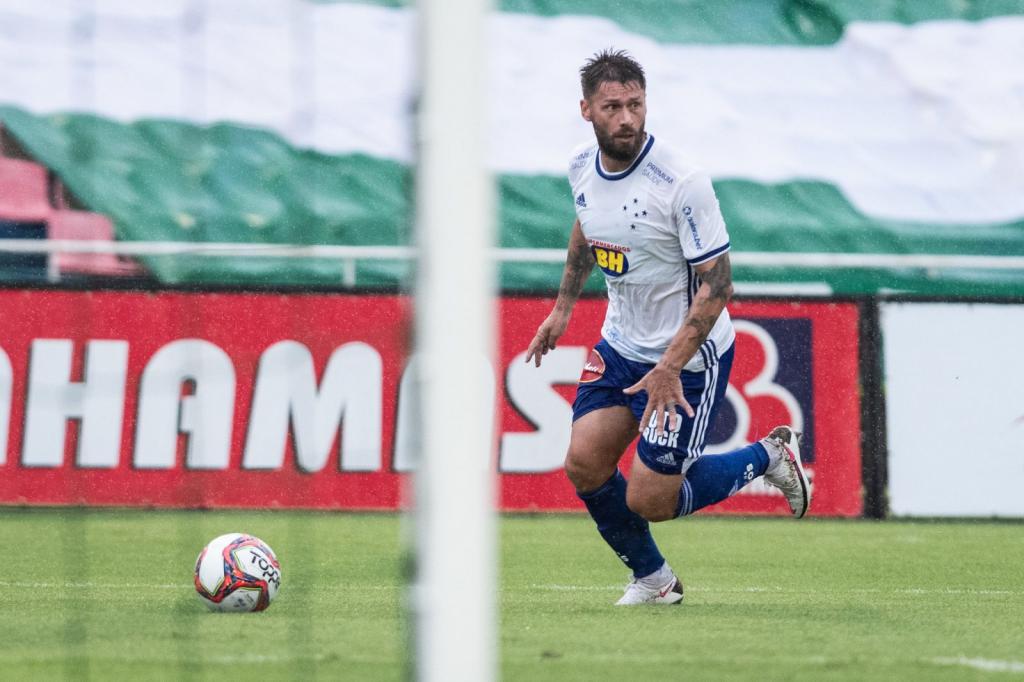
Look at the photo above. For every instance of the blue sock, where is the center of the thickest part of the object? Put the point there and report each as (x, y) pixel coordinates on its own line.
(712, 478)
(625, 531)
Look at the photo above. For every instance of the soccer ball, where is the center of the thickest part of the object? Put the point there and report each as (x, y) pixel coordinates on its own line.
(237, 572)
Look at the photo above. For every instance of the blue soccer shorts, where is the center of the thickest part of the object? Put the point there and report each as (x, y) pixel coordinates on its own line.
(607, 373)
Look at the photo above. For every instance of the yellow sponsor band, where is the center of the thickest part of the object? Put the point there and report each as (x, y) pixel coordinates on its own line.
(613, 262)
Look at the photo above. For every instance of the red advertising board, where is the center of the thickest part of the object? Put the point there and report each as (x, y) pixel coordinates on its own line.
(271, 400)
(791, 358)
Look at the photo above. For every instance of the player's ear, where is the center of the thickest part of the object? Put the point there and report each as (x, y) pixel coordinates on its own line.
(585, 110)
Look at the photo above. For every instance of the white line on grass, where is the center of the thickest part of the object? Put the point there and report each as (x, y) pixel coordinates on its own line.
(184, 585)
(92, 586)
(605, 588)
(41, 657)
(754, 589)
(261, 658)
(780, 590)
(986, 664)
(949, 590)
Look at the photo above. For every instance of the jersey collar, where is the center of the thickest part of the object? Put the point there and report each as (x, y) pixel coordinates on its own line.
(632, 166)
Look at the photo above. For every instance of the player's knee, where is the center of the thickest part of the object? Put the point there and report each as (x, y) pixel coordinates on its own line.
(585, 474)
(650, 508)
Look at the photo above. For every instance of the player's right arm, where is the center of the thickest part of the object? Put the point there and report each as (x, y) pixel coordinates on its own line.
(579, 261)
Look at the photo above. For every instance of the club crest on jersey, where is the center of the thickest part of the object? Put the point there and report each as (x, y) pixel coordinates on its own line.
(611, 260)
(593, 368)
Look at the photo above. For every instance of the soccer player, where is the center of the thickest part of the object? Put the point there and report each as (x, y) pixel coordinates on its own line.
(650, 220)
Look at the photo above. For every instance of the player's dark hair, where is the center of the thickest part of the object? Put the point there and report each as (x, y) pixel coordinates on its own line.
(610, 65)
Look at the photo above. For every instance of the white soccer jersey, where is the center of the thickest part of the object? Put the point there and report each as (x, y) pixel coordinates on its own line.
(647, 227)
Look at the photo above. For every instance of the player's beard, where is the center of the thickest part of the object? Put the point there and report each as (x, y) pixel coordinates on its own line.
(622, 150)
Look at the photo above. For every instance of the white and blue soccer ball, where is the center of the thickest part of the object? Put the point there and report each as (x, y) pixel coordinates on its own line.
(237, 573)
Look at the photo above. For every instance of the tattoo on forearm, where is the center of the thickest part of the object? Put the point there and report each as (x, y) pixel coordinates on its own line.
(701, 324)
(578, 264)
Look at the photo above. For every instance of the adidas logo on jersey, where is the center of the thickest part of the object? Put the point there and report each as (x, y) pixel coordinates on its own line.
(581, 201)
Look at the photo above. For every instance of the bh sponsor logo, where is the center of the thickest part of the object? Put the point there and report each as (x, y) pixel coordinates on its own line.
(613, 262)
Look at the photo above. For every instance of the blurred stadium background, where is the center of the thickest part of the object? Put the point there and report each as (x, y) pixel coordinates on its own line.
(206, 255)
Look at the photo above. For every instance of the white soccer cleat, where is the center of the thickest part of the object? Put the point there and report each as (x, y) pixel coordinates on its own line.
(637, 592)
(785, 470)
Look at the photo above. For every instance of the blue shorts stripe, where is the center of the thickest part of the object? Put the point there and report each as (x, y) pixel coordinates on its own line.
(706, 417)
(698, 417)
(694, 447)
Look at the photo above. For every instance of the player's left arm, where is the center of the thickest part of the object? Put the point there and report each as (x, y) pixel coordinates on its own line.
(714, 294)
(705, 243)
(664, 389)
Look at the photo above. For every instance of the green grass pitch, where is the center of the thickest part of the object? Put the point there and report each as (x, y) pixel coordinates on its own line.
(107, 595)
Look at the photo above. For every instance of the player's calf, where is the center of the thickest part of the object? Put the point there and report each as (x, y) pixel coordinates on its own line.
(652, 509)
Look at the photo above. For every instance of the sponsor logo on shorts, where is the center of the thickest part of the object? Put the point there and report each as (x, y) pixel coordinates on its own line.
(593, 368)
(669, 437)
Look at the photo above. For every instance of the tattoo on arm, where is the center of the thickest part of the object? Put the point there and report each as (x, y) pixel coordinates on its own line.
(719, 279)
(701, 324)
(578, 264)
(704, 313)
(579, 261)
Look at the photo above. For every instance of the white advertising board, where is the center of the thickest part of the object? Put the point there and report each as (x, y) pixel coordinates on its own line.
(954, 381)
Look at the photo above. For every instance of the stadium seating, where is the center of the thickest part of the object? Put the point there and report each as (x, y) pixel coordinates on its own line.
(23, 191)
(26, 212)
(83, 225)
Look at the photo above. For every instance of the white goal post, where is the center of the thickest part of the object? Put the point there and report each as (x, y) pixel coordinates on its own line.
(454, 592)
